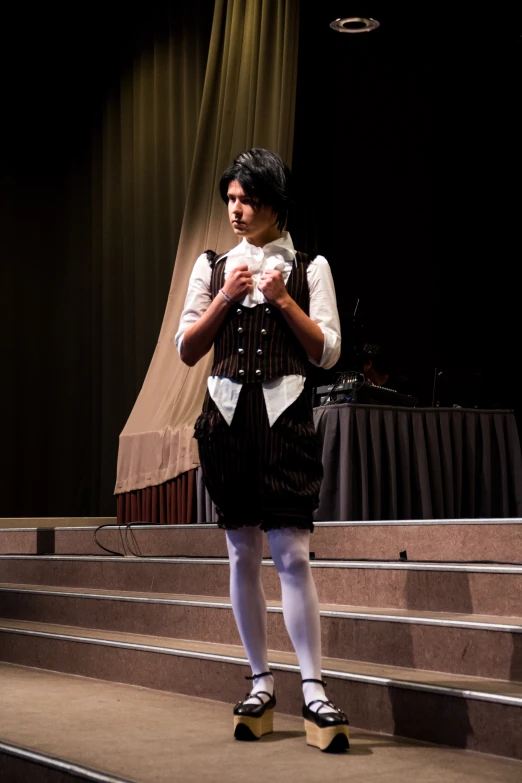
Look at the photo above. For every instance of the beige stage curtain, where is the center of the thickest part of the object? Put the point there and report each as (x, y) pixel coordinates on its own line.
(248, 100)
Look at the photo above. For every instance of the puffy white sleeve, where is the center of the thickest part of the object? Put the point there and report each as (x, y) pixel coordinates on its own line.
(198, 297)
(323, 310)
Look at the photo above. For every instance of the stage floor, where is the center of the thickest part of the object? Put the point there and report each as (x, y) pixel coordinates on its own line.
(150, 736)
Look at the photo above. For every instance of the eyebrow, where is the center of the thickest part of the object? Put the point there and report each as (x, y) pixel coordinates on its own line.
(245, 195)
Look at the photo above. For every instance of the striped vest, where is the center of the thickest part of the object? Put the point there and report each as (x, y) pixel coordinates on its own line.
(256, 343)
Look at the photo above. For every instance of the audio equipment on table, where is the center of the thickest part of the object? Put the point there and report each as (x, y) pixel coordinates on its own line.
(353, 391)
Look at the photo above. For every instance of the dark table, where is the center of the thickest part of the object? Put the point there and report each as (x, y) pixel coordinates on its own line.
(385, 462)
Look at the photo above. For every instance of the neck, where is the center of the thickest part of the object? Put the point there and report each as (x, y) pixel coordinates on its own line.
(264, 239)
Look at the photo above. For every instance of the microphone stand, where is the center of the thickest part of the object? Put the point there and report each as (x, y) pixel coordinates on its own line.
(435, 376)
(357, 326)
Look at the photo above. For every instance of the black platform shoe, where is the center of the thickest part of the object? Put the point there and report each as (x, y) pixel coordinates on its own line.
(326, 728)
(251, 721)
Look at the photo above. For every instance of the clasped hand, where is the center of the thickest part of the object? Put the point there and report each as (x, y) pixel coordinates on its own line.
(273, 286)
(240, 283)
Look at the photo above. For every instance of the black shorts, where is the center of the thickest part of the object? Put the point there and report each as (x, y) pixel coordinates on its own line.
(257, 474)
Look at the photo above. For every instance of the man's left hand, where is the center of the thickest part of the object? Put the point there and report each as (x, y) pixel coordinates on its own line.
(273, 287)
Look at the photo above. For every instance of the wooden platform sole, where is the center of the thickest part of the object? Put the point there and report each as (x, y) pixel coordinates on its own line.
(248, 729)
(333, 739)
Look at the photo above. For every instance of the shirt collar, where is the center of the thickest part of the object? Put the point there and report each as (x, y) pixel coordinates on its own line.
(282, 245)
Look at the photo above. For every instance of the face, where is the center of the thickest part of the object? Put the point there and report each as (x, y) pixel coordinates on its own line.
(257, 223)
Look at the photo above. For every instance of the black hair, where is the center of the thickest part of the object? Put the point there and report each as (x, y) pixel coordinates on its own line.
(378, 357)
(264, 177)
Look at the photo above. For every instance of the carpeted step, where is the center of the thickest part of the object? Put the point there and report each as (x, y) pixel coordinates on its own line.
(477, 589)
(484, 646)
(462, 711)
(27, 523)
(492, 540)
(56, 728)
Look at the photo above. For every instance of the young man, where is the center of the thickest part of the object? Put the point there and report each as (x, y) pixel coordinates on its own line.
(268, 311)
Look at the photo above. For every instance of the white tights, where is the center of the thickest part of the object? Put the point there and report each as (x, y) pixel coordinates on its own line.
(290, 552)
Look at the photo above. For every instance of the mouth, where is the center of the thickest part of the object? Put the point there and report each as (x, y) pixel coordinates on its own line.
(237, 223)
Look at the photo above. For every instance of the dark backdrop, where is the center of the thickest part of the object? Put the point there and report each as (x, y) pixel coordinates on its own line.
(376, 112)
(82, 302)
(363, 164)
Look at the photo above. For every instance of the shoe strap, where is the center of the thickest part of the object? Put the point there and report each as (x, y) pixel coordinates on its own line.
(319, 682)
(256, 676)
(324, 704)
(257, 696)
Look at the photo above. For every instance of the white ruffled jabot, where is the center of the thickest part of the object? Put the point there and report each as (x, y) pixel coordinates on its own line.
(279, 255)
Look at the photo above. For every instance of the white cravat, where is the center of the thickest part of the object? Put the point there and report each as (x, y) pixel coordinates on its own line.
(258, 259)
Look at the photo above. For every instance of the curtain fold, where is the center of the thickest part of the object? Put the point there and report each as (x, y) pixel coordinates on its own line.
(248, 100)
(139, 165)
(174, 502)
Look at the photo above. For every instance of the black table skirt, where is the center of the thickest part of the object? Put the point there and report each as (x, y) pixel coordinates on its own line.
(385, 462)
(418, 463)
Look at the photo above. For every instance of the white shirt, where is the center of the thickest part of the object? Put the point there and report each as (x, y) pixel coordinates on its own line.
(279, 393)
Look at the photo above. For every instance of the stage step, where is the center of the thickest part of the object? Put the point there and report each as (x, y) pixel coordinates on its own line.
(449, 587)
(476, 645)
(27, 523)
(447, 540)
(58, 728)
(478, 713)
(428, 647)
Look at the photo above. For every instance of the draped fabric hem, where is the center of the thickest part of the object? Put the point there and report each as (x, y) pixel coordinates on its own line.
(174, 451)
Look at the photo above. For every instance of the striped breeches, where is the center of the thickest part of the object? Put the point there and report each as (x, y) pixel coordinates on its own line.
(257, 474)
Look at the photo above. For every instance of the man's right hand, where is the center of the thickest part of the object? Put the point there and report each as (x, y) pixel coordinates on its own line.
(239, 283)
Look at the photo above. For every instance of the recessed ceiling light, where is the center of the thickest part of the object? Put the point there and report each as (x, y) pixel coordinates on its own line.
(355, 24)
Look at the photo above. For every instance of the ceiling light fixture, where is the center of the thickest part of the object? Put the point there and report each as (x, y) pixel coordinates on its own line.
(355, 24)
